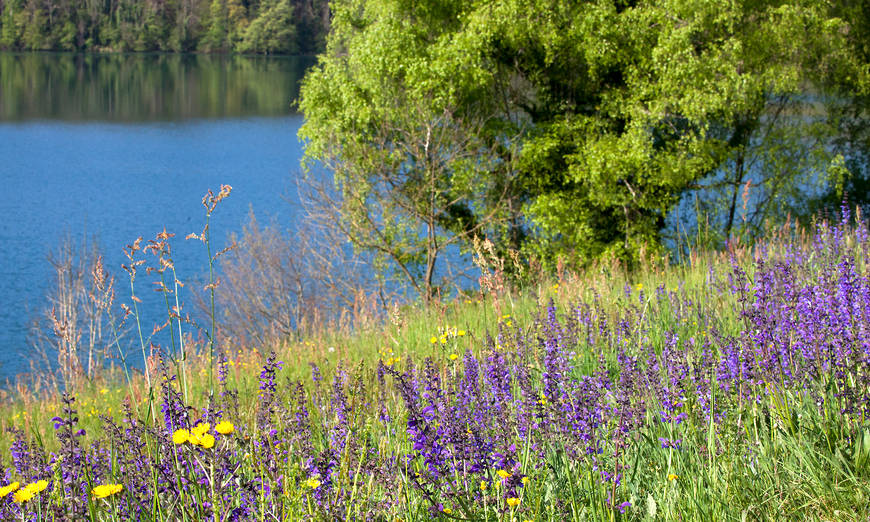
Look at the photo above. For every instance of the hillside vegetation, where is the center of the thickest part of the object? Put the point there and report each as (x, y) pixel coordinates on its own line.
(249, 26)
(733, 386)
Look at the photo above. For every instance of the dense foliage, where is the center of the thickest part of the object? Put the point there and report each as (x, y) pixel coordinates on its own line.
(251, 26)
(587, 122)
(741, 397)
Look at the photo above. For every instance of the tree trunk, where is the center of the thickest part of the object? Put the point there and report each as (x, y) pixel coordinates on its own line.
(738, 182)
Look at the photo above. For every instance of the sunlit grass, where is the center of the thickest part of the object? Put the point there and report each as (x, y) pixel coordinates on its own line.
(601, 395)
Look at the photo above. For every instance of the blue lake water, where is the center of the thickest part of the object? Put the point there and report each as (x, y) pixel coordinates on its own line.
(120, 176)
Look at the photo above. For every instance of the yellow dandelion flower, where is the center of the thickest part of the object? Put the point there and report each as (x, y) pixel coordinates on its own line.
(29, 491)
(312, 483)
(5, 490)
(453, 357)
(673, 476)
(22, 495)
(200, 429)
(104, 391)
(461, 333)
(433, 339)
(503, 474)
(180, 436)
(206, 441)
(225, 428)
(513, 502)
(37, 486)
(106, 490)
(525, 480)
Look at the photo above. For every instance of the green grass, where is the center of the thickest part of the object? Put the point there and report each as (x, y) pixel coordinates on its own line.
(783, 457)
(408, 333)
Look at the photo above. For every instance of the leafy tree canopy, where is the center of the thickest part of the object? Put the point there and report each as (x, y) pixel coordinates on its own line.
(570, 129)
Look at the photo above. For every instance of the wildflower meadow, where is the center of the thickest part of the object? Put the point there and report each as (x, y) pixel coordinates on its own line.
(734, 386)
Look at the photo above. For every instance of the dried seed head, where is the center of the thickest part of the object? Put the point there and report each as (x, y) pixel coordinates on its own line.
(98, 274)
(163, 236)
(210, 200)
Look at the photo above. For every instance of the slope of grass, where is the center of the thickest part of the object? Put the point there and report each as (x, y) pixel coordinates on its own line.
(732, 387)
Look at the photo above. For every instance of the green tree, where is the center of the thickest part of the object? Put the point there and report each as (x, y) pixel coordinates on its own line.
(35, 34)
(633, 106)
(312, 24)
(188, 26)
(417, 170)
(848, 108)
(617, 108)
(237, 21)
(217, 36)
(273, 31)
(11, 30)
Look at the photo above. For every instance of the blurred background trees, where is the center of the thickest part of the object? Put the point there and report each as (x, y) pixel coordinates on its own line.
(251, 26)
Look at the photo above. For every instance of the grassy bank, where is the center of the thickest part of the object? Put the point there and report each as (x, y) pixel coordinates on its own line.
(732, 387)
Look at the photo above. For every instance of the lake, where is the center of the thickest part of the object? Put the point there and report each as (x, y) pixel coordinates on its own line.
(113, 147)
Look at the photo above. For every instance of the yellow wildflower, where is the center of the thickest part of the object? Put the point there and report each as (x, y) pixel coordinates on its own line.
(225, 428)
(483, 485)
(106, 490)
(29, 491)
(673, 476)
(453, 356)
(461, 333)
(37, 486)
(503, 474)
(525, 480)
(5, 490)
(200, 429)
(513, 502)
(433, 339)
(104, 391)
(22, 495)
(312, 483)
(180, 436)
(206, 441)
(447, 510)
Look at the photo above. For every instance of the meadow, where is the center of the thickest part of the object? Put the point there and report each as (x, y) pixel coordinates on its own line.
(732, 386)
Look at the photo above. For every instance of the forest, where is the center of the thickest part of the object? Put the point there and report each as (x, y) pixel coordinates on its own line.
(216, 26)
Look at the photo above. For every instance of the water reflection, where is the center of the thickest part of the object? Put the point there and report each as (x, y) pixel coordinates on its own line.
(146, 87)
